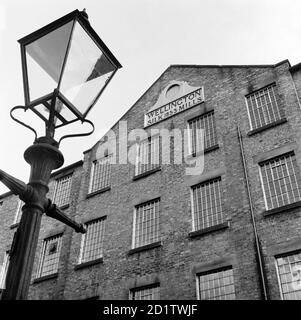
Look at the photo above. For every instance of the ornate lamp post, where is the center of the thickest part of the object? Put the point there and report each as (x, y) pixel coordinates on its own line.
(66, 67)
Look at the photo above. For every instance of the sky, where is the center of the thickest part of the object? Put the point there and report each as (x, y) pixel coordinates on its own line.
(146, 36)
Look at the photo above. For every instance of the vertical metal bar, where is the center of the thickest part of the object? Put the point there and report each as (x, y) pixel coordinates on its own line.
(260, 262)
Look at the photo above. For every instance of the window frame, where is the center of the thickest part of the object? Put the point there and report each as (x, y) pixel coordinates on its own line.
(3, 269)
(276, 257)
(215, 138)
(296, 173)
(83, 237)
(280, 110)
(211, 226)
(213, 271)
(134, 290)
(109, 158)
(41, 261)
(138, 172)
(153, 201)
(18, 214)
(57, 181)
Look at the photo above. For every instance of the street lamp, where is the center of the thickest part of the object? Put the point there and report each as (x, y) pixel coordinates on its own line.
(66, 67)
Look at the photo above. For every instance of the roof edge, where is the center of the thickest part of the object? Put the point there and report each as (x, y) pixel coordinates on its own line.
(6, 194)
(70, 166)
(295, 67)
(191, 66)
(144, 92)
(230, 65)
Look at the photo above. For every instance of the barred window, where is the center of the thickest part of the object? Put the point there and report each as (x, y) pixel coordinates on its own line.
(280, 181)
(148, 155)
(289, 275)
(18, 212)
(151, 292)
(101, 174)
(216, 285)
(62, 191)
(3, 270)
(49, 256)
(205, 122)
(146, 223)
(92, 240)
(207, 204)
(264, 107)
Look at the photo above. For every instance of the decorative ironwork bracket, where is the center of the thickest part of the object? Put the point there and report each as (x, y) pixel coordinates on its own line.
(79, 134)
(20, 122)
(62, 138)
(27, 193)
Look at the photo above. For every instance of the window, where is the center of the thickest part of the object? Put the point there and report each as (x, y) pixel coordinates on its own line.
(148, 155)
(263, 107)
(18, 212)
(92, 241)
(216, 285)
(3, 270)
(207, 204)
(205, 122)
(49, 257)
(151, 292)
(62, 191)
(289, 275)
(101, 174)
(146, 223)
(280, 181)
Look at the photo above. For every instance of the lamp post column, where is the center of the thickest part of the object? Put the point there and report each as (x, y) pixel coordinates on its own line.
(43, 157)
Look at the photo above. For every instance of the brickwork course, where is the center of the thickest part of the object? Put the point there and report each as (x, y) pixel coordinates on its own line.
(180, 256)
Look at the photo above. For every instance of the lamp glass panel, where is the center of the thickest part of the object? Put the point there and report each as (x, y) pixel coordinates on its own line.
(86, 71)
(45, 57)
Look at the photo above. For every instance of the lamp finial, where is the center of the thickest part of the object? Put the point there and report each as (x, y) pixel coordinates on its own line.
(84, 14)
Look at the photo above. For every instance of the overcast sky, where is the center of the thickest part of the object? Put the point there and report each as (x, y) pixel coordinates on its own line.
(146, 36)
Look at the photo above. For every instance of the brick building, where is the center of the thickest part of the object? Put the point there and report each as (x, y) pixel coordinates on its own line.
(230, 230)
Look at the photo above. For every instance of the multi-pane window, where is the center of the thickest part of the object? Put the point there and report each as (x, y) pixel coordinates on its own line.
(146, 223)
(101, 174)
(3, 270)
(92, 240)
(280, 181)
(207, 204)
(18, 212)
(148, 155)
(202, 132)
(146, 293)
(49, 257)
(264, 107)
(289, 275)
(216, 285)
(62, 191)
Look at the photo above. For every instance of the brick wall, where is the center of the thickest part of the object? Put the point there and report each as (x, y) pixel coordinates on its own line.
(177, 261)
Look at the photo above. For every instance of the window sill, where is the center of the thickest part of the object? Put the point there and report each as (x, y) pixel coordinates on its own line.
(15, 225)
(145, 248)
(282, 209)
(147, 173)
(207, 150)
(88, 264)
(48, 277)
(92, 194)
(205, 231)
(268, 126)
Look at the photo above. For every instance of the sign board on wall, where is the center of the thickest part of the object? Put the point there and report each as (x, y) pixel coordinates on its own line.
(177, 97)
